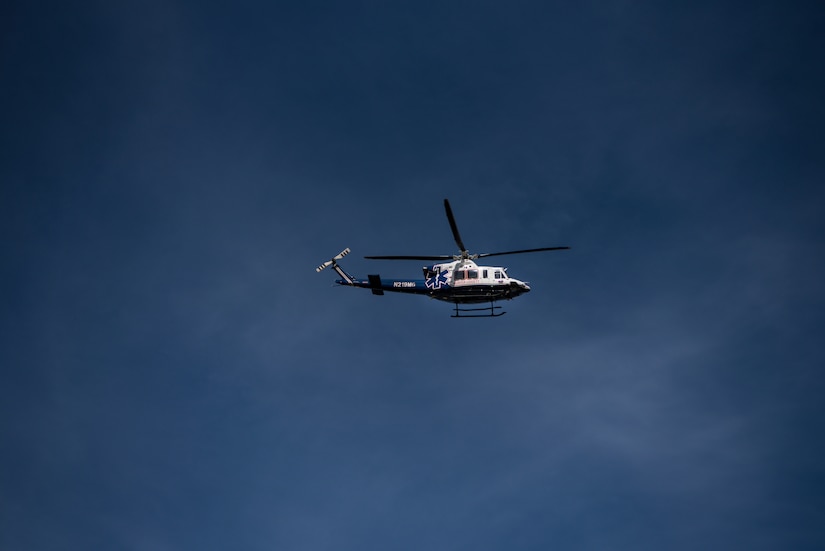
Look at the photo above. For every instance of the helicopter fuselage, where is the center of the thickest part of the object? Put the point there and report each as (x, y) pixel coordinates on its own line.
(459, 282)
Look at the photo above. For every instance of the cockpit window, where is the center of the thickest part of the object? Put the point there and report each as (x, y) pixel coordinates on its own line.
(498, 274)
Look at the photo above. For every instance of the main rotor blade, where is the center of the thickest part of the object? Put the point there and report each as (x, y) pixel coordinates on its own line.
(482, 255)
(436, 257)
(453, 226)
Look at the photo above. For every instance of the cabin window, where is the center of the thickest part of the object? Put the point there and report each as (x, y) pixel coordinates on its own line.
(460, 275)
(484, 274)
(472, 274)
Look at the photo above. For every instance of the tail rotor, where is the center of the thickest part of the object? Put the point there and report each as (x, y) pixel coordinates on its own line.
(346, 279)
(332, 262)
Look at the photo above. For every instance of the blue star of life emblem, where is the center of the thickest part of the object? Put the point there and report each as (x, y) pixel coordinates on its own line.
(437, 281)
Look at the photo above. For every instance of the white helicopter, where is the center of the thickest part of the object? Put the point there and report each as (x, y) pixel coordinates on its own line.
(459, 280)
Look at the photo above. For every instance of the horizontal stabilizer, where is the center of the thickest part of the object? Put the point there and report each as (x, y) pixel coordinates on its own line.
(375, 284)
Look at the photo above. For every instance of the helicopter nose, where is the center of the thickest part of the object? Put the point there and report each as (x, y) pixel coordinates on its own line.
(521, 285)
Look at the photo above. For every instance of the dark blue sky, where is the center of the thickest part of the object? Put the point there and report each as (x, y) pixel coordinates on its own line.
(174, 374)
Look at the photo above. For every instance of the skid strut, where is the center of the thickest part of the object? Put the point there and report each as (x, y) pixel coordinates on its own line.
(491, 312)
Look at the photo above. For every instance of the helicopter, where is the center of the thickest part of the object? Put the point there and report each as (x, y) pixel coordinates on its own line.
(454, 278)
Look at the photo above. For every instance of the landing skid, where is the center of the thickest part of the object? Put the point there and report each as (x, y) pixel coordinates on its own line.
(491, 312)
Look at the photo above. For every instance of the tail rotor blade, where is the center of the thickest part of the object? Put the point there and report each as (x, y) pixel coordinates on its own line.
(338, 256)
